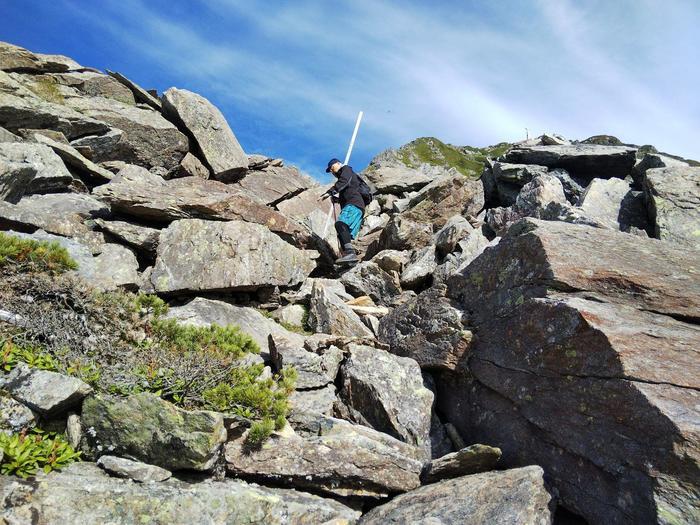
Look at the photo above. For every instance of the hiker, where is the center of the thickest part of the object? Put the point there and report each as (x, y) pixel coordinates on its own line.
(353, 194)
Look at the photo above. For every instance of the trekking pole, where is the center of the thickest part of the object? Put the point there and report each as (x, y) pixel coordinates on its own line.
(347, 159)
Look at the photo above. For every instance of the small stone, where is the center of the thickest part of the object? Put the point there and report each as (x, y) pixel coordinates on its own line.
(127, 468)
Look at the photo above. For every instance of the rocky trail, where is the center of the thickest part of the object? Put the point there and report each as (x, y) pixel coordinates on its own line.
(518, 345)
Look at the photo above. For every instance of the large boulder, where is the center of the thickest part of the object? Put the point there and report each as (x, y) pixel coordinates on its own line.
(386, 392)
(328, 314)
(275, 184)
(15, 58)
(30, 168)
(149, 429)
(76, 160)
(314, 370)
(512, 497)
(199, 255)
(83, 494)
(367, 278)
(141, 238)
(608, 322)
(673, 196)
(582, 161)
(613, 204)
(339, 458)
(137, 193)
(45, 392)
(429, 328)
(208, 127)
(140, 94)
(469, 460)
(402, 233)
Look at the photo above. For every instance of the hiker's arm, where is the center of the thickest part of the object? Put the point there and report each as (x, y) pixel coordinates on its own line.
(343, 181)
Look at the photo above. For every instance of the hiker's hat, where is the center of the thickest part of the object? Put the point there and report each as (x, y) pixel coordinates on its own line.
(330, 163)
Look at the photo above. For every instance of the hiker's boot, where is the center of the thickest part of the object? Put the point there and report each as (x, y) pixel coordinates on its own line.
(349, 257)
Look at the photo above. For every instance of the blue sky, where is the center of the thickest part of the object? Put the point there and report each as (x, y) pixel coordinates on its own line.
(290, 76)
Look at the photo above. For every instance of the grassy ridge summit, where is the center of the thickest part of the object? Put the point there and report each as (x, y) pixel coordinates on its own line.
(466, 159)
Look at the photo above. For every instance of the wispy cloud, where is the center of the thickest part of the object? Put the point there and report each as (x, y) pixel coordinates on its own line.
(291, 76)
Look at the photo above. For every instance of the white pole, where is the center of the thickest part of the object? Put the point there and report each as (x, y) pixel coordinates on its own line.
(352, 140)
(347, 159)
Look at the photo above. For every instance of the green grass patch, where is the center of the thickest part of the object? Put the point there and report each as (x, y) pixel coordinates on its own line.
(11, 354)
(25, 453)
(466, 160)
(30, 255)
(226, 340)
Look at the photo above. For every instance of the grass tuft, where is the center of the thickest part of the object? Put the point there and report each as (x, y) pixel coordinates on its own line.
(31, 255)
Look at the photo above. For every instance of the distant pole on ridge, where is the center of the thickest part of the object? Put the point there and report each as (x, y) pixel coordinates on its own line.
(354, 136)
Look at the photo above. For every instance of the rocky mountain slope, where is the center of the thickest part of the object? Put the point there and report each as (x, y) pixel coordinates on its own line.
(518, 345)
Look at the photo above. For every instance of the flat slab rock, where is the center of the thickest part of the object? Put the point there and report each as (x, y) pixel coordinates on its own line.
(510, 497)
(199, 255)
(47, 393)
(154, 431)
(136, 470)
(470, 460)
(83, 494)
(341, 459)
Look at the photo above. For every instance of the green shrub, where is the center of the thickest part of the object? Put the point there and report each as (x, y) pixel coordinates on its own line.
(24, 454)
(150, 304)
(224, 340)
(259, 432)
(31, 255)
(36, 357)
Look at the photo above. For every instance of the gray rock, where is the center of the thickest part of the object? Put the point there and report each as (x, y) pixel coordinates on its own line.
(147, 138)
(654, 160)
(419, 270)
(275, 184)
(391, 260)
(582, 161)
(455, 229)
(30, 168)
(386, 392)
(212, 134)
(511, 497)
(204, 312)
(470, 460)
(72, 157)
(198, 255)
(316, 400)
(291, 314)
(48, 393)
(315, 370)
(149, 429)
(509, 178)
(15, 58)
(430, 329)
(83, 494)
(14, 416)
(553, 140)
(140, 94)
(115, 267)
(330, 315)
(91, 83)
(74, 430)
(21, 108)
(367, 278)
(137, 193)
(141, 238)
(136, 470)
(341, 459)
(6, 136)
(303, 295)
(440, 443)
(402, 233)
(673, 196)
(191, 166)
(613, 204)
(388, 173)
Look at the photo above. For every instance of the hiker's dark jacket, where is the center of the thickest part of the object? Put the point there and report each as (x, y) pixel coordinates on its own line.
(347, 188)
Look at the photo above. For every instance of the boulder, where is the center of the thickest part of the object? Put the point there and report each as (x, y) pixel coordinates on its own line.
(613, 204)
(204, 312)
(418, 272)
(208, 127)
(136, 470)
(89, 83)
(654, 160)
(14, 416)
(6, 136)
(455, 229)
(430, 329)
(391, 260)
(137, 193)
(147, 139)
(191, 166)
(303, 294)
(314, 370)
(470, 460)
(386, 392)
(367, 278)
(615, 336)
(141, 238)
(83, 494)
(149, 429)
(509, 178)
(48, 393)
(30, 168)
(291, 314)
(582, 161)
(140, 94)
(115, 267)
(402, 233)
(673, 196)
(328, 314)
(21, 108)
(199, 255)
(15, 58)
(275, 184)
(75, 159)
(512, 497)
(315, 400)
(341, 459)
